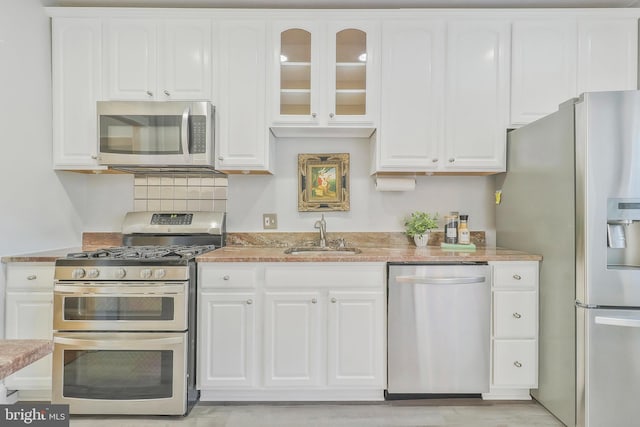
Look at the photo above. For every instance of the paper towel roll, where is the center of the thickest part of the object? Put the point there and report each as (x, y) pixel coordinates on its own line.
(395, 184)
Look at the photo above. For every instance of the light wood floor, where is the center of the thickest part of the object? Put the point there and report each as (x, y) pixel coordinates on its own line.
(412, 413)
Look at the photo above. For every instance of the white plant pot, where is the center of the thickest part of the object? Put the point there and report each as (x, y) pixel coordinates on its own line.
(421, 241)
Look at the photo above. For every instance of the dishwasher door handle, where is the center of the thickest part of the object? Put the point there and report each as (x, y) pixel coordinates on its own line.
(425, 280)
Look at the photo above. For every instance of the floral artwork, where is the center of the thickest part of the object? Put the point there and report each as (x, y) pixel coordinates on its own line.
(323, 181)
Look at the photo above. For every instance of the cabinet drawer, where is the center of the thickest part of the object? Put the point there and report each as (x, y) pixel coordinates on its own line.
(520, 275)
(26, 275)
(228, 275)
(515, 363)
(326, 274)
(515, 314)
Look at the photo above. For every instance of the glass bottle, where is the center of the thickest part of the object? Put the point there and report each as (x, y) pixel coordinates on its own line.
(451, 229)
(464, 235)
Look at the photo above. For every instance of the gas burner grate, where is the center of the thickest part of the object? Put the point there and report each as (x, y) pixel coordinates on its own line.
(144, 252)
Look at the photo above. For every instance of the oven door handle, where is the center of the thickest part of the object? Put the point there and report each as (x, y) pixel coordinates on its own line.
(118, 291)
(117, 343)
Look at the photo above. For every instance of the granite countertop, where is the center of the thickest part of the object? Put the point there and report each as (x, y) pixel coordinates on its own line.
(393, 254)
(43, 256)
(16, 354)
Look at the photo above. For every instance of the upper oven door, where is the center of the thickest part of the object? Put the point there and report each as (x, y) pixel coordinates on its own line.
(120, 306)
(143, 133)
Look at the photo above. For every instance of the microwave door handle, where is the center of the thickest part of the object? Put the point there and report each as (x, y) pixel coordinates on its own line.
(185, 134)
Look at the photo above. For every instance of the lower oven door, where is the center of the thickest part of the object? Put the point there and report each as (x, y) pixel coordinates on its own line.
(121, 373)
(124, 306)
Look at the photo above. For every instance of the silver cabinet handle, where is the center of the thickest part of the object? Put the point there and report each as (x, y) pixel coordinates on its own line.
(451, 160)
(32, 277)
(226, 277)
(166, 92)
(517, 364)
(220, 158)
(249, 301)
(333, 300)
(149, 93)
(434, 160)
(517, 276)
(331, 115)
(517, 315)
(314, 300)
(314, 115)
(94, 157)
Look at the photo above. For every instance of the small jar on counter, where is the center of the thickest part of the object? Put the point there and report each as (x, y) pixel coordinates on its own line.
(450, 229)
(464, 235)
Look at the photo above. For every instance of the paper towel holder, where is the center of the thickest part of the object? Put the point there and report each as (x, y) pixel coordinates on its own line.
(395, 183)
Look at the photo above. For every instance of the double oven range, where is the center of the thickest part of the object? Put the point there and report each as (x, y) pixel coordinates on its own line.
(124, 317)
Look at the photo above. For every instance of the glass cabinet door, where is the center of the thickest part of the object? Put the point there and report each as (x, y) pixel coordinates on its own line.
(295, 73)
(351, 73)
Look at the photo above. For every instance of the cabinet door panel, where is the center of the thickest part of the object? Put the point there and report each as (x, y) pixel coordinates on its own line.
(243, 133)
(411, 98)
(132, 59)
(356, 339)
(607, 55)
(476, 95)
(77, 78)
(515, 363)
(30, 316)
(186, 60)
(543, 68)
(227, 339)
(292, 339)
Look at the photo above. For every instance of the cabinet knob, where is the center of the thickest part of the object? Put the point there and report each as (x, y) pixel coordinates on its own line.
(331, 115)
(166, 92)
(226, 277)
(149, 93)
(220, 158)
(517, 276)
(434, 160)
(451, 160)
(314, 300)
(517, 315)
(314, 115)
(517, 364)
(32, 277)
(333, 300)
(94, 157)
(249, 301)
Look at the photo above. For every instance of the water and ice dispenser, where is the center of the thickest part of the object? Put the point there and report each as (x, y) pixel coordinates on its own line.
(623, 233)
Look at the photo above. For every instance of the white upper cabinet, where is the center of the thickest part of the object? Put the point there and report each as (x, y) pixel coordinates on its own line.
(150, 59)
(543, 67)
(477, 95)
(412, 95)
(325, 73)
(558, 58)
(243, 140)
(76, 59)
(607, 54)
(443, 105)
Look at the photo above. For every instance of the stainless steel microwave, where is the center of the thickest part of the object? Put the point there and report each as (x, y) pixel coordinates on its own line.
(156, 134)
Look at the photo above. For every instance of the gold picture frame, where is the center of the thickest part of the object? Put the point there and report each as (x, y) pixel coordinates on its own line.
(323, 182)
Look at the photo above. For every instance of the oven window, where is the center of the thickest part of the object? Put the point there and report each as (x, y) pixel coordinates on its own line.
(118, 308)
(118, 374)
(140, 134)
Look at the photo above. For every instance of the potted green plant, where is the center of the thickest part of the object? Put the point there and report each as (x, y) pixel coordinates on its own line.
(418, 225)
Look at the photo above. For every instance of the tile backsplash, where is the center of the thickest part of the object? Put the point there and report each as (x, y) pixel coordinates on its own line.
(178, 192)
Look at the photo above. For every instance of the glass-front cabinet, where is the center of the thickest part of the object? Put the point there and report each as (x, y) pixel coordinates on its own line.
(326, 73)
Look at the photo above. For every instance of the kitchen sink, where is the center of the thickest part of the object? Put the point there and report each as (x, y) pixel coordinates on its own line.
(322, 251)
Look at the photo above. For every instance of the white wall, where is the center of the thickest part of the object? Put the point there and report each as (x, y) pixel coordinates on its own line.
(252, 195)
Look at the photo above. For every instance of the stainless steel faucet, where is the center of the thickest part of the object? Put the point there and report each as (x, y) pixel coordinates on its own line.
(322, 225)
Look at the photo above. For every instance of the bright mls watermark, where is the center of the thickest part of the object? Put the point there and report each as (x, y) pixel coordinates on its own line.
(34, 415)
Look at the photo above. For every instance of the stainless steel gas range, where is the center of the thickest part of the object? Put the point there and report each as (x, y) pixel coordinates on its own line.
(124, 317)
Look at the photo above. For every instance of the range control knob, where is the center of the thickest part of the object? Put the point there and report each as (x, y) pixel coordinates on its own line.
(159, 273)
(78, 273)
(93, 273)
(145, 273)
(119, 273)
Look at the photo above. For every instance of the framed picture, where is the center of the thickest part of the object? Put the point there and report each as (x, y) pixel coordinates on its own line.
(323, 182)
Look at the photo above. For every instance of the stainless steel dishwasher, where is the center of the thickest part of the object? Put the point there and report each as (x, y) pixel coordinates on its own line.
(439, 329)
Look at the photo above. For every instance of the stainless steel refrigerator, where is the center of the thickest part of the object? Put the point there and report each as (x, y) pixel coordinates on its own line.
(572, 194)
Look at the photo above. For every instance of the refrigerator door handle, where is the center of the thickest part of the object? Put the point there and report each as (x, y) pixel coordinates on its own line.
(618, 321)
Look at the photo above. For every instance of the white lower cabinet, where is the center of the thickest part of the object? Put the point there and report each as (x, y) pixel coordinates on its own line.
(514, 330)
(294, 331)
(29, 315)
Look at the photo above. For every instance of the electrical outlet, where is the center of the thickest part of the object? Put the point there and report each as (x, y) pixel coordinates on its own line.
(269, 221)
